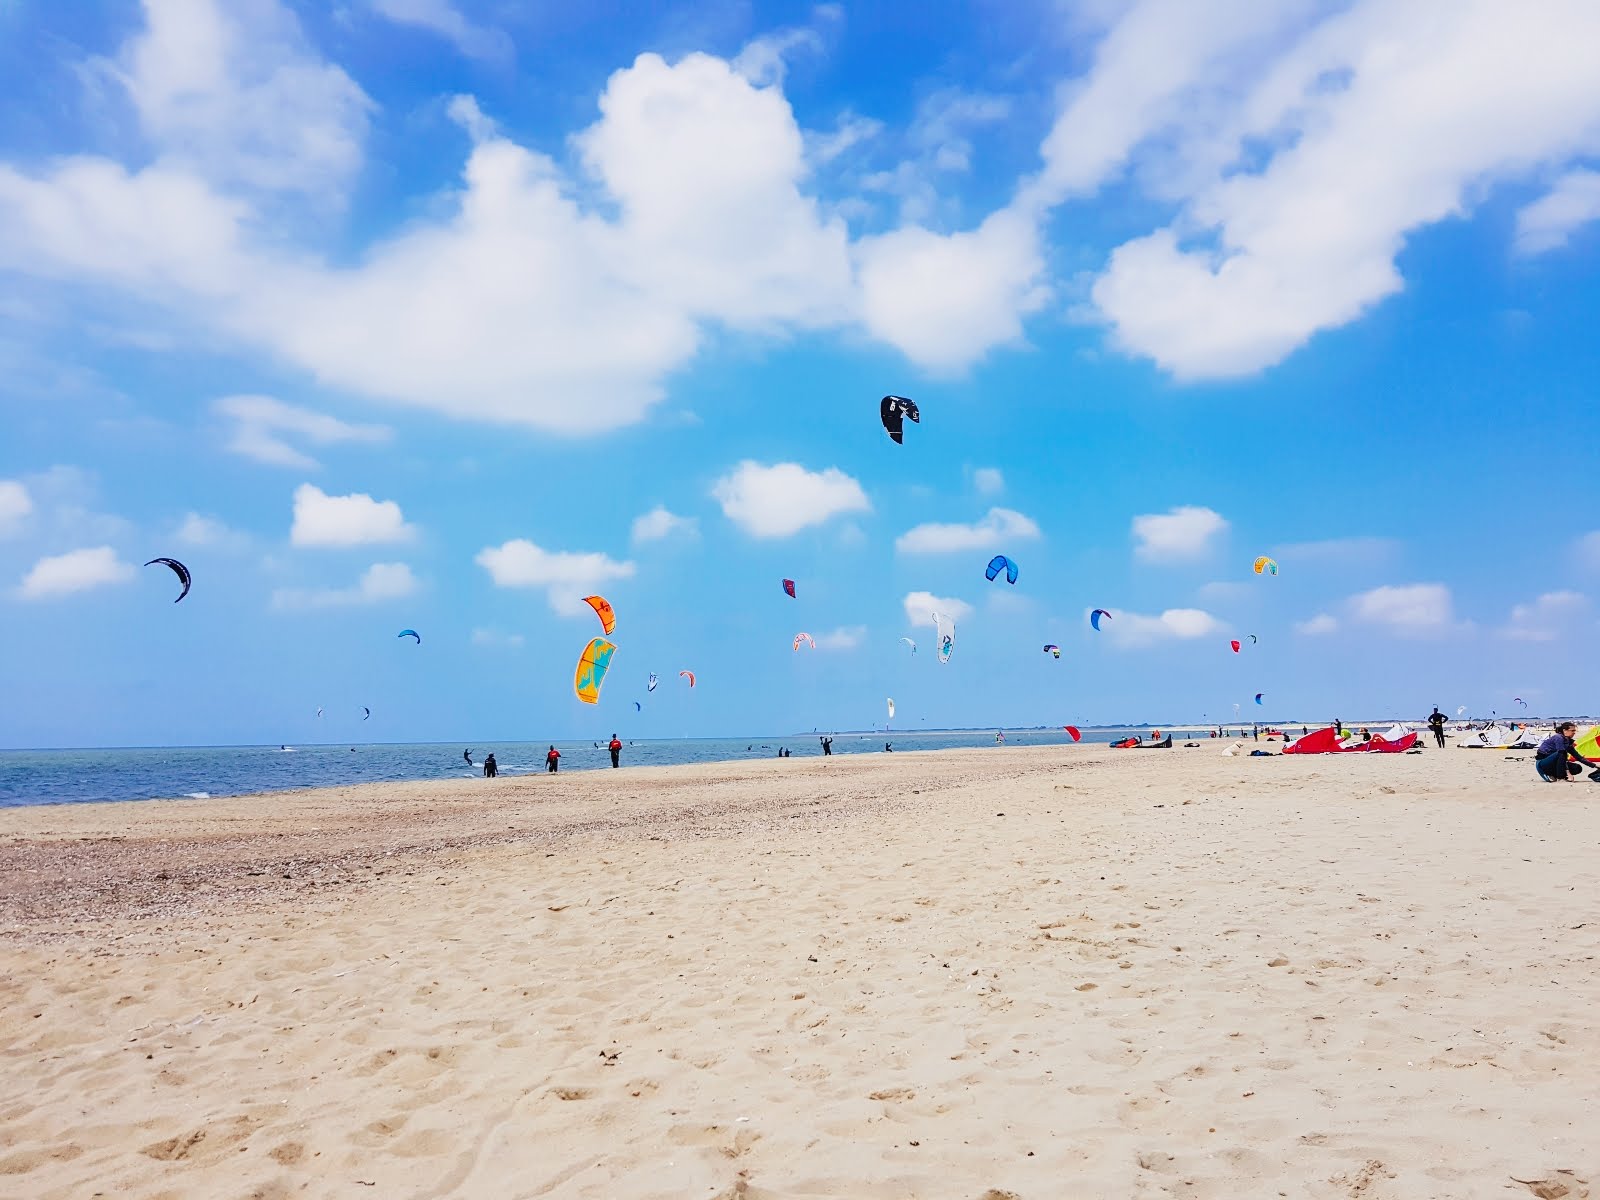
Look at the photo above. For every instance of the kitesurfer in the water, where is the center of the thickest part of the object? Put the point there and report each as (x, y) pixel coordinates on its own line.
(466, 756)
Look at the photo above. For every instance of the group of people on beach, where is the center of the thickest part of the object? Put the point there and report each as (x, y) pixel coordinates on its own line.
(552, 759)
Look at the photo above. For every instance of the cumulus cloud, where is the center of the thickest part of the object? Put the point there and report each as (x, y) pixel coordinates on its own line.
(565, 577)
(1174, 624)
(1549, 221)
(380, 581)
(920, 607)
(1545, 619)
(15, 505)
(846, 637)
(782, 499)
(1179, 535)
(353, 520)
(988, 481)
(1318, 626)
(1000, 525)
(261, 424)
(75, 571)
(1416, 609)
(444, 19)
(659, 523)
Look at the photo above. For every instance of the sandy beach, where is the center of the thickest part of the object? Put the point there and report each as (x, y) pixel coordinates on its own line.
(974, 974)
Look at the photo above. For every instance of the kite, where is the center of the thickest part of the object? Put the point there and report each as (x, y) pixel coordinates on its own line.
(806, 638)
(367, 711)
(891, 708)
(1235, 645)
(410, 633)
(910, 643)
(1073, 732)
(1266, 566)
(689, 675)
(178, 569)
(788, 588)
(1258, 696)
(1053, 649)
(1520, 701)
(892, 410)
(651, 686)
(945, 629)
(1253, 638)
(1094, 618)
(319, 710)
(1001, 563)
(591, 672)
(1461, 709)
(602, 609)
(637, 707)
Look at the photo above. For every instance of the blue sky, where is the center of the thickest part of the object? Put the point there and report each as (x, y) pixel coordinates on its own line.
(411, 313)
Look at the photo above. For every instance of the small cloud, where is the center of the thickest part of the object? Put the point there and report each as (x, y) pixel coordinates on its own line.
(1416, 609)
(493, 639)
(823, 148)
(1180, 535)
(1318, 626)
(444, 19)
(658, 523)
(1175, 624)
(260, 424)
(1001, 525)
(354, 520)
(75, 571)
(15, 505)
(764, 59)
(1549, 221)
(564, 576)
(1342, 552)
(846, 637)
(1587, 550)
(989, 481)
(198, 530)
(381, 581)
(1546, 618)
(920, 607)
(785, 498)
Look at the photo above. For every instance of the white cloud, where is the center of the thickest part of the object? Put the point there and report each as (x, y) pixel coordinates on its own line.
(381, 581)
(989, 481)
(565, 577)
(1417, 608)
(944, 123)
(15, 505)
(763, 60)
(1549, 221)
(75, 571)
(1181, 534)
(851, 130)
(920, 607)
(1588, 550)
(1318, 626)
(1174, 624)
(659, 523)
(1000, 526)
(199, 530)
(354, 520)
(446, 20)
(1545, 619)
(778, 500)
(846, 637)
(495, 640)
(260, 420)
(1379, 121)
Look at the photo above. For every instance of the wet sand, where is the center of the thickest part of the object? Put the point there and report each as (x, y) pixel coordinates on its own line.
(977, 973)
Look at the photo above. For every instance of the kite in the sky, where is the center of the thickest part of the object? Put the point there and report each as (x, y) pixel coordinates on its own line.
(1461, 709)
(1053, 649)
(1258, 696)
(1520, 701)
(1072, 732)
(319, 710)
(1001, 563)
(591, 672)
(1253, 638)
(178, 569)
(806, 639)
(689, 675)
(945, 630)
(788, 588)
(412, 633)
(1266, 566)
(910, 643)
(891, 708)
(651, 686)
(893, 410)
(602, 609)
(637, 707)
(367, 711)
(1235, 645)
(1094, 618)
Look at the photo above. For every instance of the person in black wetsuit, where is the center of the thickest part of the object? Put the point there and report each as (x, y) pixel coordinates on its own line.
(827, 746)
(467, 757)
(1436, 723)
(615, 746)
(490, 767)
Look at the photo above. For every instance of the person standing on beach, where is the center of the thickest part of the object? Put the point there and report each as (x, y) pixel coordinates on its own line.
(552, 760)
(616, 751)
(1552, 758)
(1436, 723)
(1338, 727)
(490, 767)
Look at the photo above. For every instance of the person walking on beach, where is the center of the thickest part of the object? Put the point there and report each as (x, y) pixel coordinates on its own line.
(827, 746)
(552, 760)
(1436, 723)
(490, 767)
(616, 751)
(1553, 756)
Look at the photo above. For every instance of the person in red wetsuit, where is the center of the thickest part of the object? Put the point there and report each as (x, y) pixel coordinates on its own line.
(552, 760)
(616, 751)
